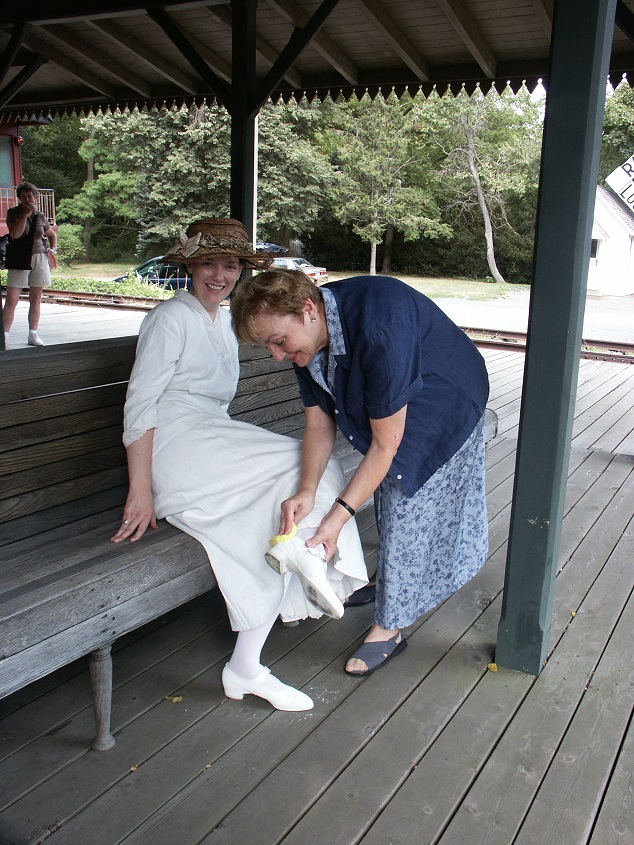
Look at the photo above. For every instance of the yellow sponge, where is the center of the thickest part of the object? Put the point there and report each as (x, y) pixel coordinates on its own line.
(282, 538)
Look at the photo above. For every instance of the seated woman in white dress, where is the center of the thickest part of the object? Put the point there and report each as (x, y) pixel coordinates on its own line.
(221, 480)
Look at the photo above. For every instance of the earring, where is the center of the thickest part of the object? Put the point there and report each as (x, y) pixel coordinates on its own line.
(313, 319)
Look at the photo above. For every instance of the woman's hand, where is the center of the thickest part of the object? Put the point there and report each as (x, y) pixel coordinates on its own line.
(295, 509)
(138, 513)
(328, 533)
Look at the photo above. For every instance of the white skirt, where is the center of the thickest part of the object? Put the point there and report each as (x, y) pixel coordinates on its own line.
(223, 481)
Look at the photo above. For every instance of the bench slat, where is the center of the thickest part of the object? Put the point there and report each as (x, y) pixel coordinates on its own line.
(70, 469)
(51, 407)
(38, 522)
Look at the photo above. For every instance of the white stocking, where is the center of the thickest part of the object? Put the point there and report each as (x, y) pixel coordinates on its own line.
(245, 660)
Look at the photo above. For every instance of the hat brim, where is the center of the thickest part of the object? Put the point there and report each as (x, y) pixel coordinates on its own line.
(254, 260)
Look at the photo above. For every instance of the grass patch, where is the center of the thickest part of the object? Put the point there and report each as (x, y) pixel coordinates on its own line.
(442, 288)
(104, 271)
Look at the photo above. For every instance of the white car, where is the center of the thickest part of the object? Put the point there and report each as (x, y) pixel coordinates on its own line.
(317, 274)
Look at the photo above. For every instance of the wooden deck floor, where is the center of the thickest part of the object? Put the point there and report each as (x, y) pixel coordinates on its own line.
(434, 748)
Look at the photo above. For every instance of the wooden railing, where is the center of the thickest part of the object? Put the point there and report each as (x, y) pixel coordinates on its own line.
(46, 202)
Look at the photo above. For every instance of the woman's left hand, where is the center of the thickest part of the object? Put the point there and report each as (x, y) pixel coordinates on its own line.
(328, 534)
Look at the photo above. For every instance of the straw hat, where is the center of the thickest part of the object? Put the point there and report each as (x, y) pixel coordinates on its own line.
(216, 236)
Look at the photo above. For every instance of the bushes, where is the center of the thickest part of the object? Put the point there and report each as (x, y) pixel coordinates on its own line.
(70, 245)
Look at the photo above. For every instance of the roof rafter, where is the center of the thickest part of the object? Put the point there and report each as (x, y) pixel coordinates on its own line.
(10, 51)
(470, 34)
(223, 13)
(625, 19)
(10, 90)
(63, 33)
(184, 44)
(97, 83)
(544, 11)
(298, 40)
(327, 48)
(44, 12)
(165, 68)
(397, 39)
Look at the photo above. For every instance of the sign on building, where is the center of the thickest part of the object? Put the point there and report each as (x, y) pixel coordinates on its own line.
(621, 181)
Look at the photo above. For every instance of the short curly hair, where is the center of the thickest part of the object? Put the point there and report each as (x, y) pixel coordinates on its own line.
(275, 291)
(26, 186)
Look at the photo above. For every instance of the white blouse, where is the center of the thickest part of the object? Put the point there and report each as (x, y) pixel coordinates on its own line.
(185, 363)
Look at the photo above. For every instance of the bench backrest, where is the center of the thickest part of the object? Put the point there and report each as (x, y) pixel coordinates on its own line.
(61, 412)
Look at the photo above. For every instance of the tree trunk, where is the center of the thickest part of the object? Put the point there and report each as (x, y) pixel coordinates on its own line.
(488, 229)
(387, 255)
(90, 175)
(373, 259)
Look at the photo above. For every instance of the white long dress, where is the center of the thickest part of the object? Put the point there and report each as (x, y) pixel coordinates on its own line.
(218, 479)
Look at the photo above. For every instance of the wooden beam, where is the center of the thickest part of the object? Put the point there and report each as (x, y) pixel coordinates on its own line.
(297, 42)
(97, 83)
(19, 81)
(396, 38)
(580, 56)
(150, 57)
(223, 13)
(124, 75)
(184, 44)
(625, 19)
(243, 121)
(43, 12)
(10, 51)
(544, 11)
(324, 45)
(468, 31)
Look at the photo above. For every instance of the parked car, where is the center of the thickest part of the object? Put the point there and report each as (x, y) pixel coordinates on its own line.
(169, 275)
(265, 246)
(317, 274)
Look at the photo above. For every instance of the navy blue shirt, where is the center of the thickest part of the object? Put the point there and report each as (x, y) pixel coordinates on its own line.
(401, 349)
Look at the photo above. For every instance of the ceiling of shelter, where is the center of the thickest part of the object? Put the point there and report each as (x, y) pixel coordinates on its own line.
(99, 54)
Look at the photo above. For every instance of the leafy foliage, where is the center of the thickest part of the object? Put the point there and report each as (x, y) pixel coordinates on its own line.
(50, 157)
(70, 246)
(618, 130)
(336, 176)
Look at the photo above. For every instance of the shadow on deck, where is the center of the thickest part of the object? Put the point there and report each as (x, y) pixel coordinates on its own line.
(434, 748)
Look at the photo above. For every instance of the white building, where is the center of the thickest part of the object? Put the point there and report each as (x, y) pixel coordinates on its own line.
(612, 254)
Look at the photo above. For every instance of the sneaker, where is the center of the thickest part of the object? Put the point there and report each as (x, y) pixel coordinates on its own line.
(34, 339)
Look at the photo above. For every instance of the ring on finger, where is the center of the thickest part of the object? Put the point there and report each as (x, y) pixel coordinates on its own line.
(125, 521)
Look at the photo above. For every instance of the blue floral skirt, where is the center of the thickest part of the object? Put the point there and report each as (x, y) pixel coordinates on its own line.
(434, 542)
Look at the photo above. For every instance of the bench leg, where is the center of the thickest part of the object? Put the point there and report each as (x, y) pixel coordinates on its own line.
(100, 663)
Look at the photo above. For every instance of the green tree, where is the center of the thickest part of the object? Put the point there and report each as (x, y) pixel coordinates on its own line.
(50, 157)
(490, 149)
(618, 129)
(294, 176)
(381, 172)
(154, 172)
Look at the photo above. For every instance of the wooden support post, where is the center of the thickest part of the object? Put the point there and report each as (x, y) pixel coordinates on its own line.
(579, 62)
(243, 115)
(100, 664)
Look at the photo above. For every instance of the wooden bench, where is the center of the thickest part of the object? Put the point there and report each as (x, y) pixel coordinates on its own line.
(65, 590)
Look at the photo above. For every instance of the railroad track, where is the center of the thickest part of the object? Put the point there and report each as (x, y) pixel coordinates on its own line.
(601, 350)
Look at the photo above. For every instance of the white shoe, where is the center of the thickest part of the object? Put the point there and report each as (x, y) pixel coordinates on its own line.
(294, 556)
(34, 339)
(267, 686)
